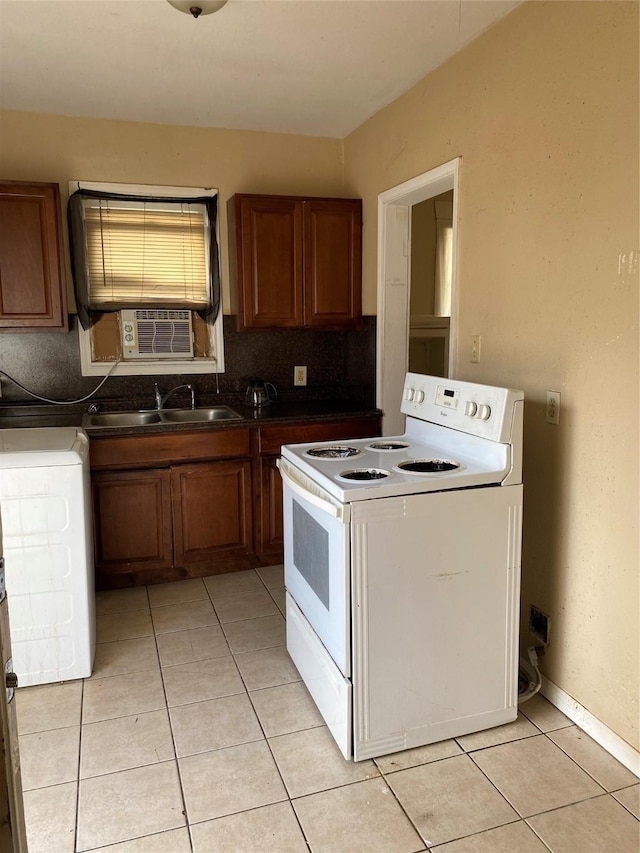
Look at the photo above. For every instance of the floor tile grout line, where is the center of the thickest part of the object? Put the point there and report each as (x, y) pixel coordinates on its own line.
(542, 841)
(526, 818)
(273, 758)
(569, 805)
(494, 786)
(624, 806)
(402, 808)
(494, 745)
(77, 820)
(584, 769)
(277, 766)
(434, 847)
(175, 751)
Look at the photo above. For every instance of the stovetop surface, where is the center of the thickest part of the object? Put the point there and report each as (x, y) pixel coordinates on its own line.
(369, 468)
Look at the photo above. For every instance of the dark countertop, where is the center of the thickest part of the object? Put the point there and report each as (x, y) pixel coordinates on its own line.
(277, 413)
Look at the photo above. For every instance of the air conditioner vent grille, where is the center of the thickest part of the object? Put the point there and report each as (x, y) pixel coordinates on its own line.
(156, 333)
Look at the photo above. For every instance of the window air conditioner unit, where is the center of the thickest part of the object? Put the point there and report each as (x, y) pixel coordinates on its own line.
(156, 333)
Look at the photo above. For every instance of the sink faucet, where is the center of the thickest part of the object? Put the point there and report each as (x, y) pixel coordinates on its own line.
(160, 400)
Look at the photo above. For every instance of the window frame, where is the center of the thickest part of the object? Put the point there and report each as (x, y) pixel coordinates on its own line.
(159, 366)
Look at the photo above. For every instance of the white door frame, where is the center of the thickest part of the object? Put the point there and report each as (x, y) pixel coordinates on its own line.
(394, 281)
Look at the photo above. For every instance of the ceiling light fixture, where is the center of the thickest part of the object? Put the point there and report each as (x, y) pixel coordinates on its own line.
(197, 7)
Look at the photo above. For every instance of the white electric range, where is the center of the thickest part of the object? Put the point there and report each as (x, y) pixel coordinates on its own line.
(402, 569)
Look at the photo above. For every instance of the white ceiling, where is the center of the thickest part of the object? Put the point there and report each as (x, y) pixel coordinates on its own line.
(314, 67)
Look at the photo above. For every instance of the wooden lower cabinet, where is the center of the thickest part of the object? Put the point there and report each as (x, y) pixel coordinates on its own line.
(270, 518)
(132, 523)
(181, 505)
(211, 511)
(165, 524)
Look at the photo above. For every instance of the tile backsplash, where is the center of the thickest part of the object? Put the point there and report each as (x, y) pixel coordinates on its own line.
(340, 366)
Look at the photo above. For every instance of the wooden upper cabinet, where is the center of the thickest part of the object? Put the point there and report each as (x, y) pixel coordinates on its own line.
(269, 261)
(32, 280)
(332, 262)
(299, 261)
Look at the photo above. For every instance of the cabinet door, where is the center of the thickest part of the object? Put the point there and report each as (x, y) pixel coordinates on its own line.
(332, 263)
(270, 534)
(132, 522)
(269, 246)
(32, 281)
(212, 516)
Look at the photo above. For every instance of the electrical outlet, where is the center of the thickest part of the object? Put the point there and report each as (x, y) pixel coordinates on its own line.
(539, 624)
(553, 407)
(475, 349)
(299, 375)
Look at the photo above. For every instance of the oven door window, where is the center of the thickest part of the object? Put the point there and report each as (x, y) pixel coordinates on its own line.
(317, 572)
(311, 552)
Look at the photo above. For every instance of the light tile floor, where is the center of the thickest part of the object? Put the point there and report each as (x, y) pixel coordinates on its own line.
(195, 733)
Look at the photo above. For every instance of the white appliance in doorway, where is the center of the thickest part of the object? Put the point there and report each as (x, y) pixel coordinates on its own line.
(402, 569)
(47, 530)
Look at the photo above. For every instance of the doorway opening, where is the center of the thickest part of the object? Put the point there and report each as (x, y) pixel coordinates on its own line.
(429, 335)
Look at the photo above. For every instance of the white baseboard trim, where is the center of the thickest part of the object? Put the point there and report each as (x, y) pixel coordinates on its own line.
(594, 727)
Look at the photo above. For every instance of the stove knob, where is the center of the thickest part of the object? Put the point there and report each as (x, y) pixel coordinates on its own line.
(409, 394)
(419, 396)
(470, 408)
(484, 412)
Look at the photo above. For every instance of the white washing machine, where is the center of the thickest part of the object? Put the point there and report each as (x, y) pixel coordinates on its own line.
(48, 550)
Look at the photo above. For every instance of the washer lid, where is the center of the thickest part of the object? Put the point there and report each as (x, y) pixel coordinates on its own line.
(42, 447)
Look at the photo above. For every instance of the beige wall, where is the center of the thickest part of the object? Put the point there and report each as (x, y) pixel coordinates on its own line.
(543, 110)
(57, 148)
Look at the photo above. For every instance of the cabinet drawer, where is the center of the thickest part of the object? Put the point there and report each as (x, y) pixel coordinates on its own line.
(271, 438)
(141, 451)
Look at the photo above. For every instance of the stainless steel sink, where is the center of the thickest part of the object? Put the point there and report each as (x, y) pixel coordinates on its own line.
(215, 413)
(158, 418)
(122, 419)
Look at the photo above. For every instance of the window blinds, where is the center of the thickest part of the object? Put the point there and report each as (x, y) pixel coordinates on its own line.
(146, 254)
(132, 252)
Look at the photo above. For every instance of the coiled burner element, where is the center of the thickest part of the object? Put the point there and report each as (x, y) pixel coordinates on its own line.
(364, 474)
(389, 445)
(334, 451)
(428, 466)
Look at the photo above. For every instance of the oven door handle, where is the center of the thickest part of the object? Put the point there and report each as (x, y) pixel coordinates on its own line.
(288, 474)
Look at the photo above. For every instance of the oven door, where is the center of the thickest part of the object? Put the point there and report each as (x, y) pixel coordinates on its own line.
(317, 561)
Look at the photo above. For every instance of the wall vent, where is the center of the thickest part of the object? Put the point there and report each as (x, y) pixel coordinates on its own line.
(156, 333)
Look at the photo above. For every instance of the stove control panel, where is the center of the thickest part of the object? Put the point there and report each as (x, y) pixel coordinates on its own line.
(450, 398)
(482, 410)
(447, 397)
